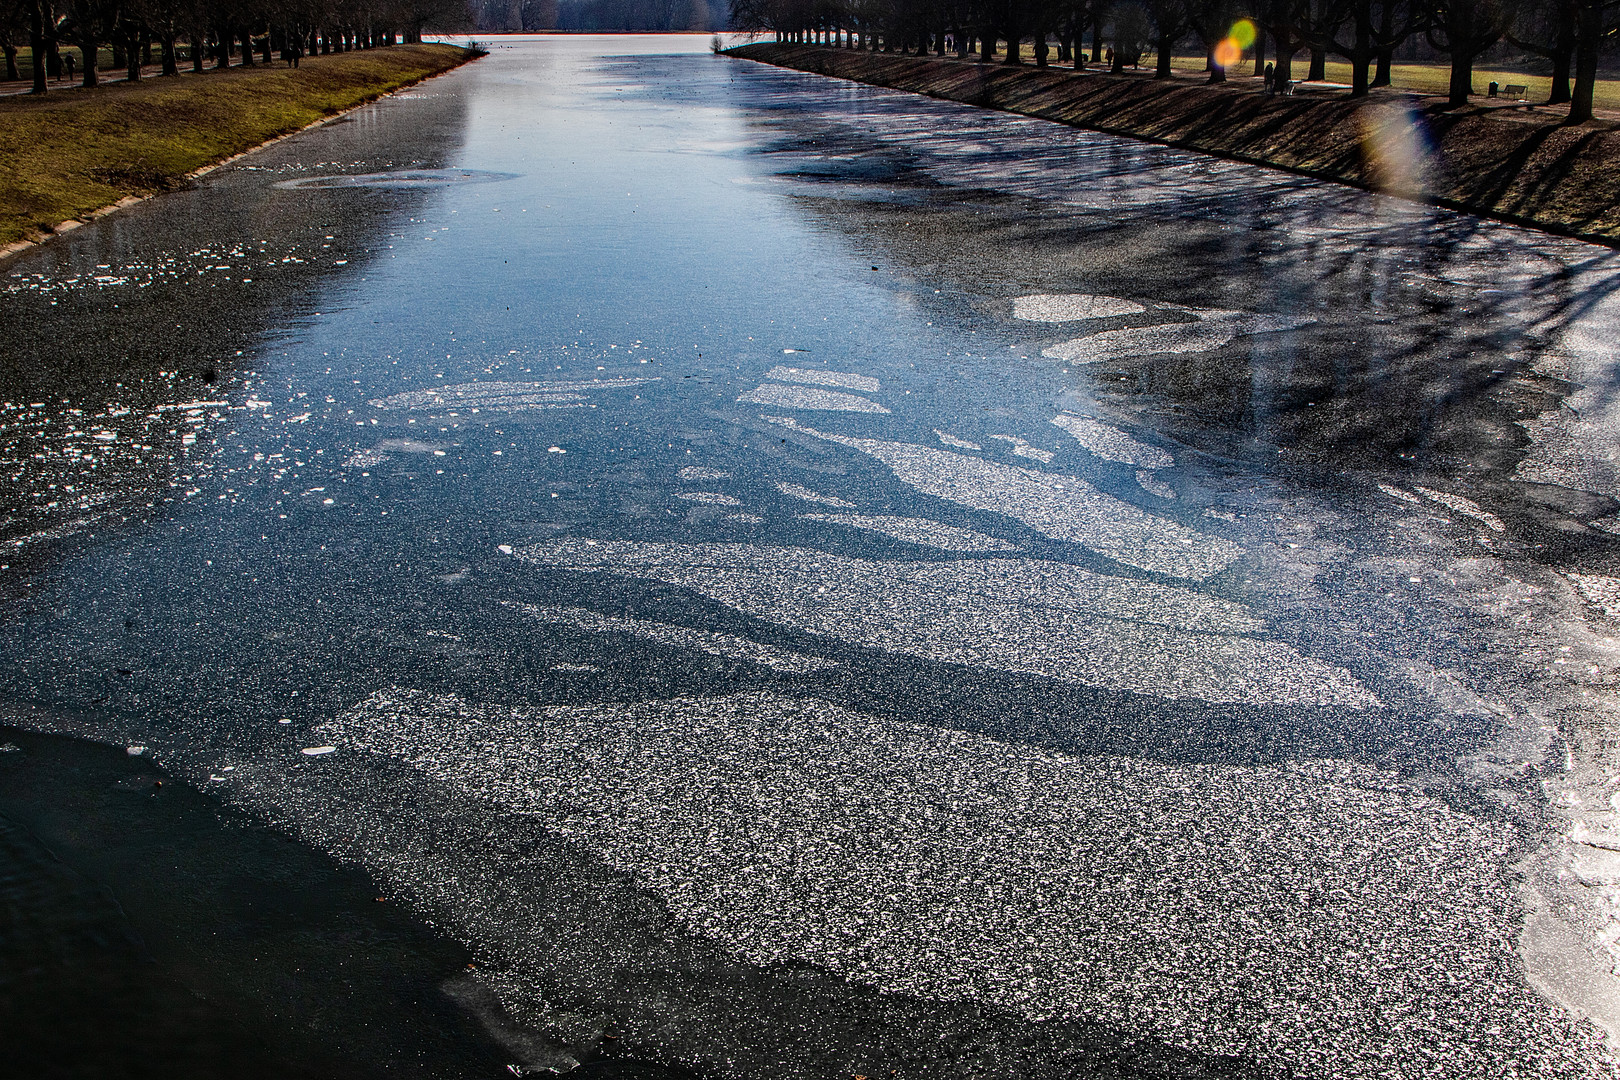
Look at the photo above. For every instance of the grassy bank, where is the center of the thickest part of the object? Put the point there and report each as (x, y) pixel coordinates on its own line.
(1510, 163)
(66, 155)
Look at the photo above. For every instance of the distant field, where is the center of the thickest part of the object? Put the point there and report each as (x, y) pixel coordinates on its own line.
(66, 155)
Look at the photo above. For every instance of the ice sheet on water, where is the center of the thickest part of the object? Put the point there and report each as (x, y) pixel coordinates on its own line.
(499, 396)
(805, 397)
(799, 491)
(1060, 506)
(712, 498)
(698, 472)
(1072, 307)
(728, 646)
(815, 377)
(917, 531)
(1465, 507)
(1112, 444)
(946, 865)
(1153, 485)
(1031, 616)
(1213, 332)
(1023, 448)
(951, 440)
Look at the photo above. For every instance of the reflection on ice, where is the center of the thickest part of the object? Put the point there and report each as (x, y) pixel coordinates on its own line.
(1062, 507)
(1031, 616)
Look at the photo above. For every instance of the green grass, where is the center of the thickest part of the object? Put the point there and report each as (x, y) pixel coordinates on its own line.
(65, 155)
(1434, 78)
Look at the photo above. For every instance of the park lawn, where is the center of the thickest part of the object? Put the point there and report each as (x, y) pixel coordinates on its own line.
(64, 156)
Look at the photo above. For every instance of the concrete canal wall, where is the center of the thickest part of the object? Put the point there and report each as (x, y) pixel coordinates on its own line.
(1513, 163)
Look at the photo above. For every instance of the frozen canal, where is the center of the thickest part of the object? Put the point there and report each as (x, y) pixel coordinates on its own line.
(800, 580)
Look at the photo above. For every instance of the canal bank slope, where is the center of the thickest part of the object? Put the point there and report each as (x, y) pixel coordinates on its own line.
(1509, 163)
(68, 155)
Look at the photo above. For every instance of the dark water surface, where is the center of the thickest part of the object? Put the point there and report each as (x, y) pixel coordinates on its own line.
(796, 579)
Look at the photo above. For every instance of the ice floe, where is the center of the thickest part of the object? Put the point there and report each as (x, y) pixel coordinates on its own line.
(1029, 616)
(728, 646)
(713, 498)
(1213, 332)
(1141, 895)
(805, 397)
(1023, 448)
(505, 397)
(1055, 505)
(951, 440)
(799, 491)
(814, 377)
(1112, 444)
(1072, 307)
(1153, 485)
(917, 531)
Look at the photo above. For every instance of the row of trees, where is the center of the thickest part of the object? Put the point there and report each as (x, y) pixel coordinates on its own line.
(1568, 34)
(215, 32)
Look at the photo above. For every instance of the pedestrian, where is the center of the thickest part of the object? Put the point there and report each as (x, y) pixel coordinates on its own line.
(67, 63)
(1108, 57)
(1271, 79)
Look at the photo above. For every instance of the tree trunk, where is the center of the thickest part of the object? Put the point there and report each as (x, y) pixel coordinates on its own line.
(1096, 42)
(1562, 52)
(1361, 51)
(1041, 49)
(89, 48)
(1588, 36)
(199, 42)
(1162, 69)
(171, 58)
(1015, 43)
(267, 48)
(12, 74)
(247, 48)
(1462, 75)
(36, 43)
(987, 46)
(132, 54)
(1318, 71)
(1259, 51)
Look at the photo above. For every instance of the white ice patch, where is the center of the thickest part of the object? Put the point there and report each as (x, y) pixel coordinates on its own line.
(697, 472)
(951, 440)
(1396, 493)
(1025, 449)
(1601, 592)
(1072, 307)
(505, 397)
(1112, 444)
(799, 491)
(1136, 894)
(1153, 485)
(1028, 616)
(1466, 507)
(813, 377)
(728, 646)
(1214, 331)
(1062, 507)
(364, 459)
(918, 531)
(712, 498)
(805, 397)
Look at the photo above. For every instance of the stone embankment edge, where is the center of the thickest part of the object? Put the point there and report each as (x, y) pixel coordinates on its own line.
(781, 56)
(19, 246)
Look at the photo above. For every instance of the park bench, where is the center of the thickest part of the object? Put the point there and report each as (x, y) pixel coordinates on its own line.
(1512, 91)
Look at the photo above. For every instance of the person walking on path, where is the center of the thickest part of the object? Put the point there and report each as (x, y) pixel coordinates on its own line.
(1271, 79)
(67, 65)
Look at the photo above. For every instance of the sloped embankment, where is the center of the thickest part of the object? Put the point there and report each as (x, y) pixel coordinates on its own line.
(1513, 164)
(72, 152)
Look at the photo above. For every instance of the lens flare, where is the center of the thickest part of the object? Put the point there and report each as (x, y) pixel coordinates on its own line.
(1228, 52)
(1243, 33)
